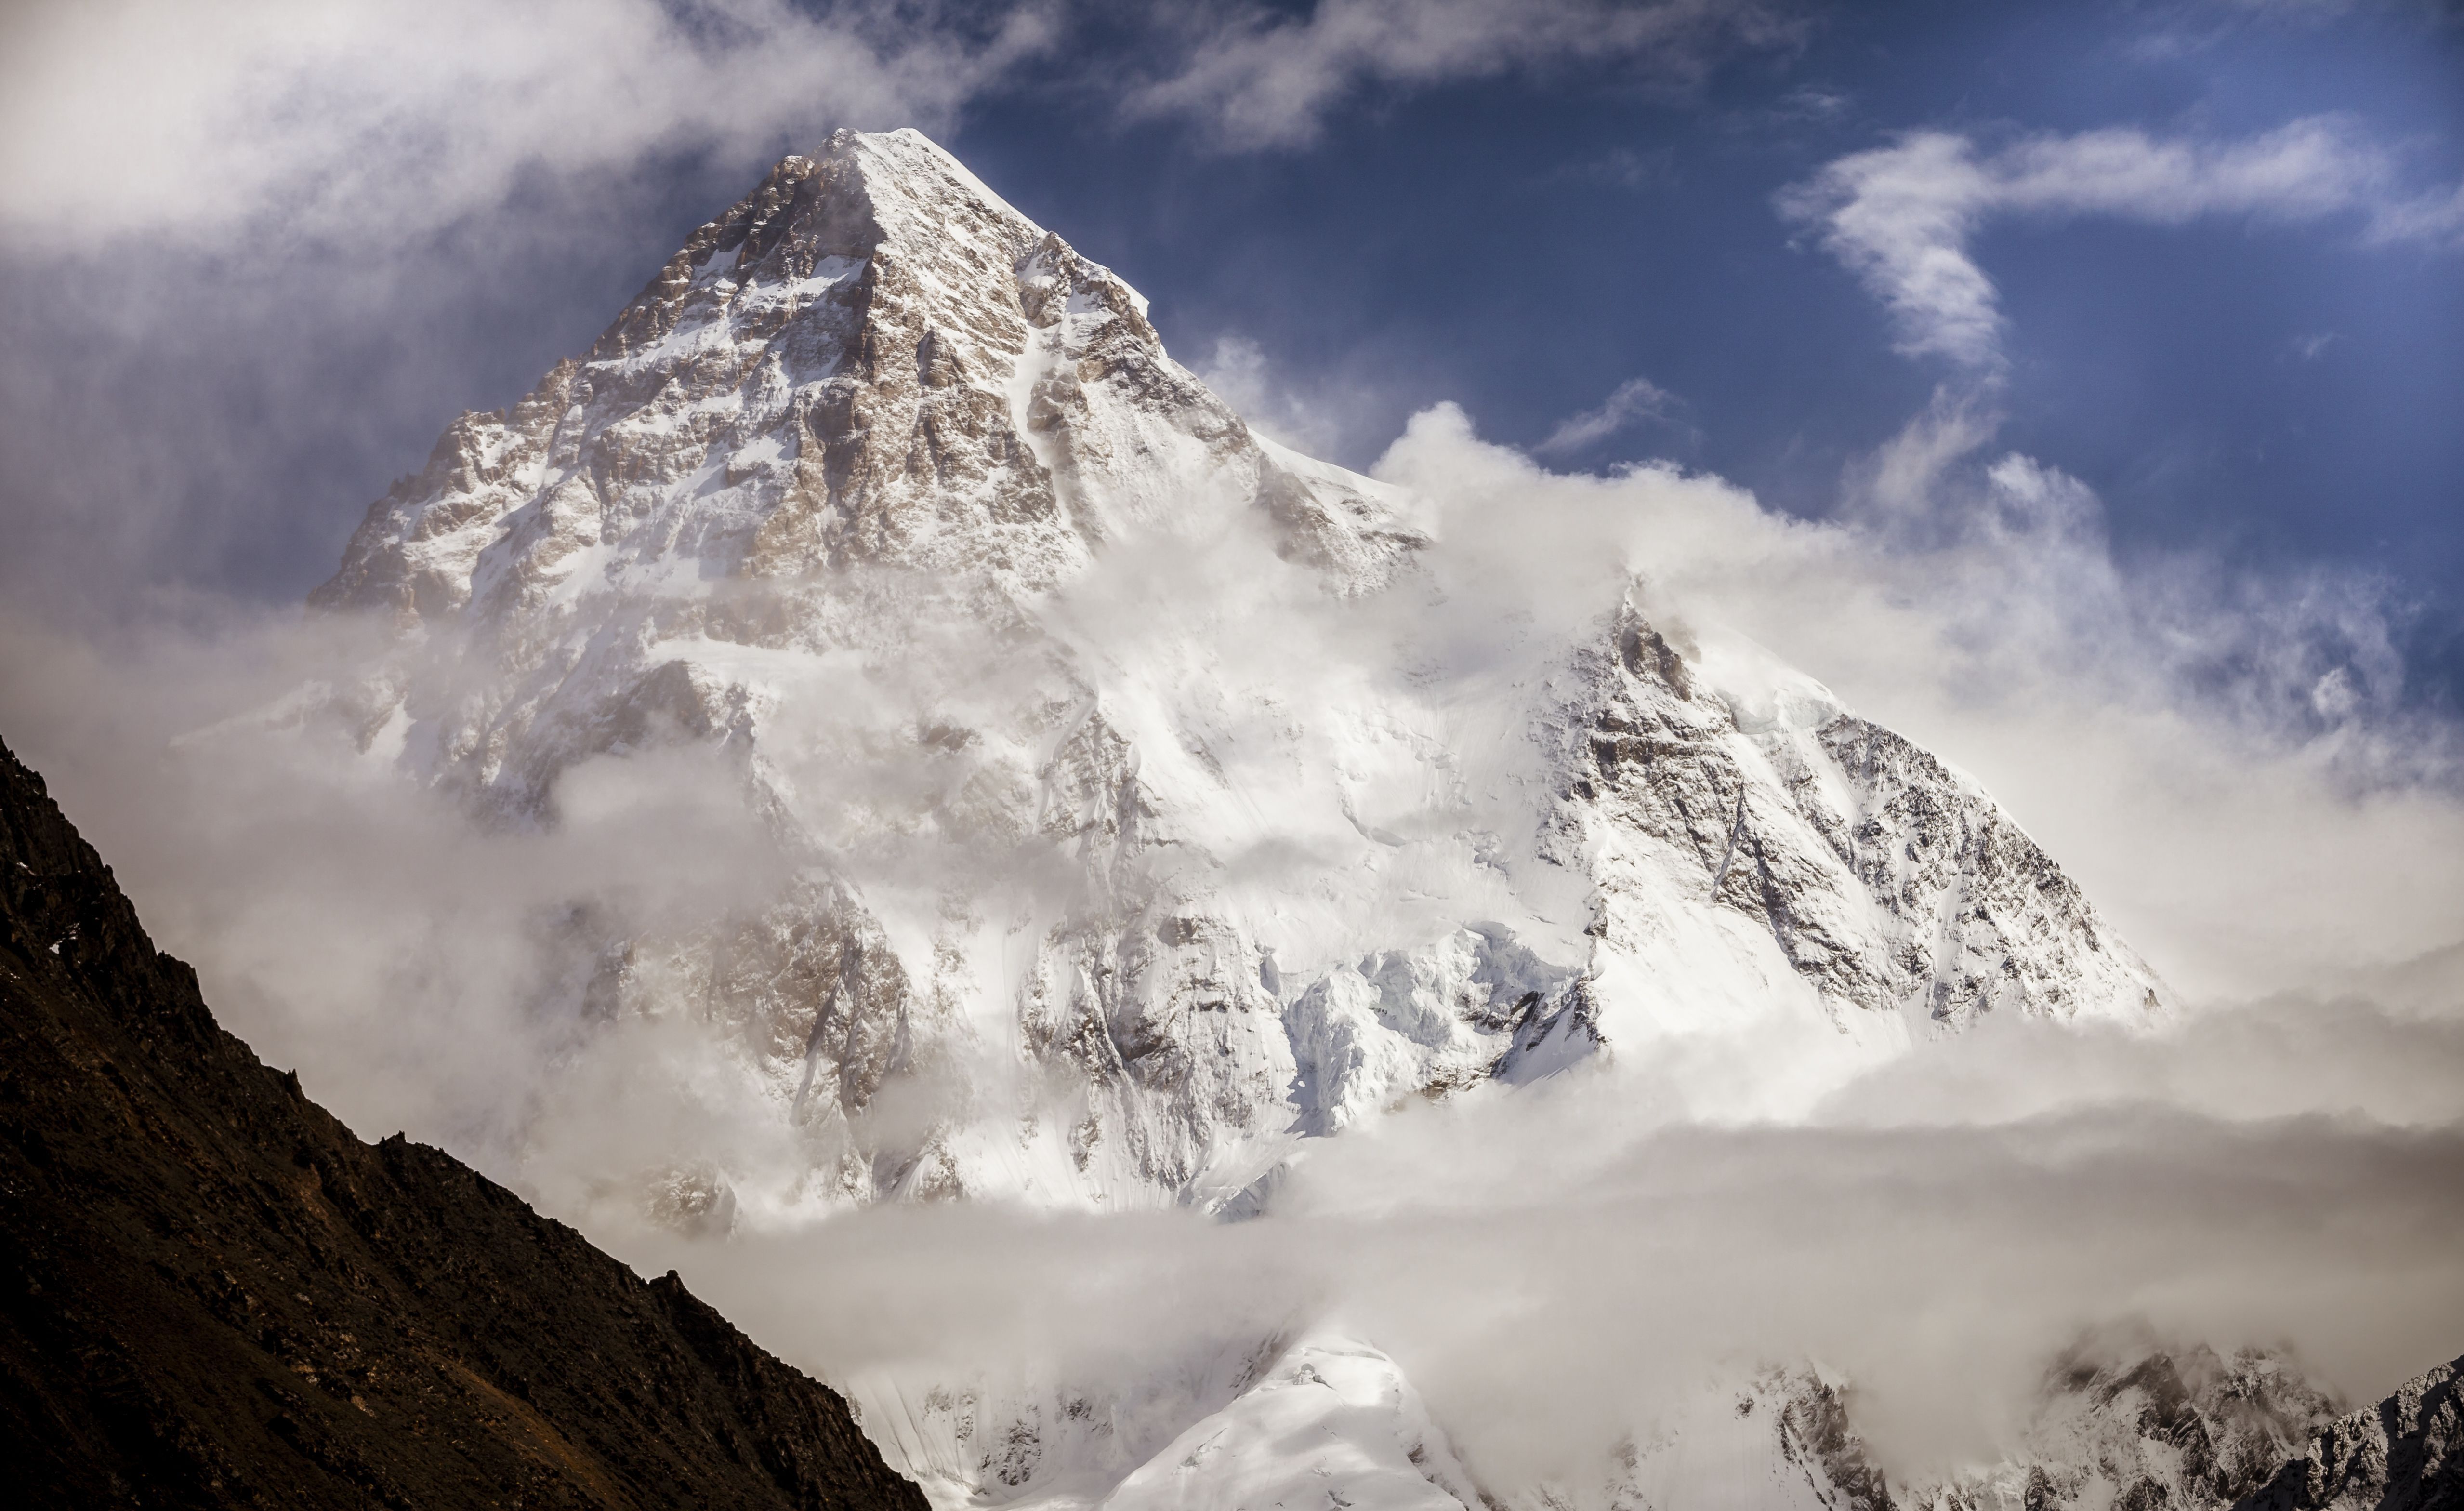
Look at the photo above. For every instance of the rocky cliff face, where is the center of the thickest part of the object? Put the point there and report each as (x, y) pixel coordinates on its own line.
(2405, 1454)
(1884, 880)
(890, 497)
(211, 1294)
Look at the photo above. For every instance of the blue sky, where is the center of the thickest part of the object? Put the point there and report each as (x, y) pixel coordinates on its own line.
(2278, 393)
(1343, 210)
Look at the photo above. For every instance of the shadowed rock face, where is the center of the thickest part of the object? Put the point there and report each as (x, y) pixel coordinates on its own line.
(2405, 1454)
(212, 1294)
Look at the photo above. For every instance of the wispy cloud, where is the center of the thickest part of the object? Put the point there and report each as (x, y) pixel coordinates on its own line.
(365, 121)
(1258, 79)
(1623, 167)
(1323, 417)
(1904, 217)
(1635, 401)
(1809, 103)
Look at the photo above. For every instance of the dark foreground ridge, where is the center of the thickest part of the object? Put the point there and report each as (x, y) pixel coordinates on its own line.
(2405, 1454)
(212, 1294)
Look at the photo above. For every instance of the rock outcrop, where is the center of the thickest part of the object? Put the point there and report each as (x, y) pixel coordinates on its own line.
(2405, 1454)
(212, 1294)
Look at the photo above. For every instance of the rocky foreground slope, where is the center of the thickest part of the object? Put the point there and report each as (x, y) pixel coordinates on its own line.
(211, 1294)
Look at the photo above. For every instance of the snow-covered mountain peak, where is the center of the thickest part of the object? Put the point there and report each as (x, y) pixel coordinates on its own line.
(1128, 834)
(870, 360)
(1121, 802)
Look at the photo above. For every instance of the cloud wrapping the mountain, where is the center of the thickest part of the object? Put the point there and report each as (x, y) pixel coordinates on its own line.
(335, 912)
(1556, 1269)
(2156, 725)
(2217, 765)
(1552, 1266)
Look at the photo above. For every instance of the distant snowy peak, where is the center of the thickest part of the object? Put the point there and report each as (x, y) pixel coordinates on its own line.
(872, 358)
(1738, 790)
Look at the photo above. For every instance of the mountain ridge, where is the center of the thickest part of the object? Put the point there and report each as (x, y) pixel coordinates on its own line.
(2403, 1454)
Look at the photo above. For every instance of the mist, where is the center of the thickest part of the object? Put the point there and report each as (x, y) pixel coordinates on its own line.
(1552, 1265)
(1552, 1288)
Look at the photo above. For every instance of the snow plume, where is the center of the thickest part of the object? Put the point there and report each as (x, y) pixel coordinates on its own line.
(2310, 655)
(1321, 418)
(1256, 80)
(1553, 1266)
(1904, 217)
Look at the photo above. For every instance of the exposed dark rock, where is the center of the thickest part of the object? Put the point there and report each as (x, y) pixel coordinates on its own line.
(212, 1294)
(2405, 1454)
(1814, 1425)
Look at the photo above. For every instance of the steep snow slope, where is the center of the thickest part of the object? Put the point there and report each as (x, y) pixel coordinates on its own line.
(1132, 832)
(1320, 1420)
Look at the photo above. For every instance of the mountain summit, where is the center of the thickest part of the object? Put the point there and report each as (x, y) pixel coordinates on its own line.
(1131, 821)
(871, 360)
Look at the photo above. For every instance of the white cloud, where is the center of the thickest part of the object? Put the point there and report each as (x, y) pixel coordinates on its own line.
(1551, 1269)
(1632, 401)
(2263, 1173)
(1902, 217)
(1260, 80)
(1236, 371)
(361, 122)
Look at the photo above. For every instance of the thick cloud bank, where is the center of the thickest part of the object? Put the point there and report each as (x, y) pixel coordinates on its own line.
(1550, 1279)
